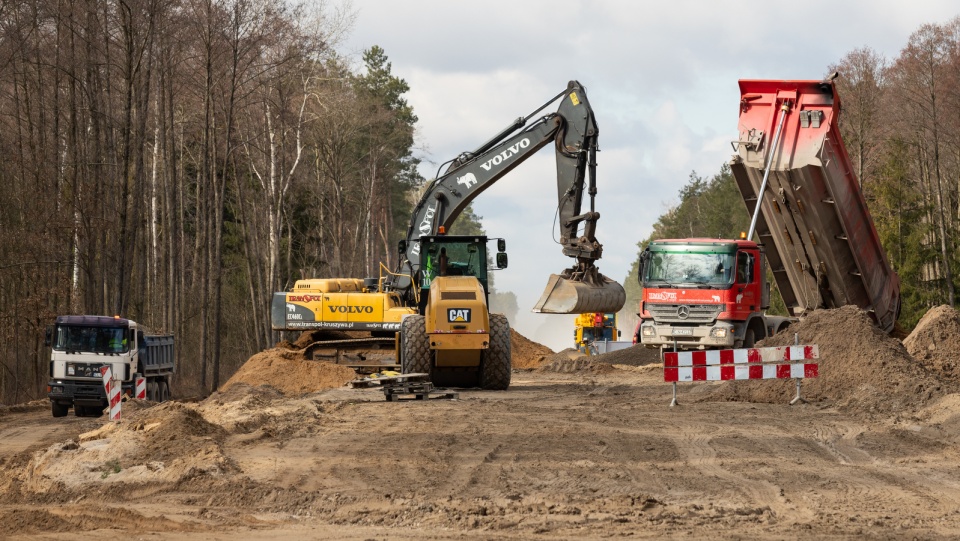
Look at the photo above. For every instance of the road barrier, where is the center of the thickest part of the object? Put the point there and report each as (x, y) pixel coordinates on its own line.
(113, 392)
(740, 364)
(141, 387)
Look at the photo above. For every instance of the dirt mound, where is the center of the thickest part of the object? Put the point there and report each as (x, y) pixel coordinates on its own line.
(570, 361)
(861, 368)
(168, 442)
(244, 409)
(935, 342)
(526, 353)
(632, 356)
(288, 372)
(34, 405)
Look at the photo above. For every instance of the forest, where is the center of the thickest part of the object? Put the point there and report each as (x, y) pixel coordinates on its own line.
(176, 162)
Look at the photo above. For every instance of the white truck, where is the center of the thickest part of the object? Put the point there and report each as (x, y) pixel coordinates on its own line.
(81, 345)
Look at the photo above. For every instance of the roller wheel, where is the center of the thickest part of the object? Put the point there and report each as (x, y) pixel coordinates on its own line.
(415, 346)
(59, 410)
(495, 367)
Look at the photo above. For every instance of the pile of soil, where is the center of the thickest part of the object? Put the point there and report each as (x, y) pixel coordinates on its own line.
(578, 365)
(935, 342)
(291, 374)
(636, 355)
(525, 353)
(571, 360)
(168, 442)
(861, 368)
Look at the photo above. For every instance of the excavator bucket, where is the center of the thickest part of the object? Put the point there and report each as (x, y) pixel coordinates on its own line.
(566, 296)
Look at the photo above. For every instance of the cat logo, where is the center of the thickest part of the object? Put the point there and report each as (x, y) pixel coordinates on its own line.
(458, 315)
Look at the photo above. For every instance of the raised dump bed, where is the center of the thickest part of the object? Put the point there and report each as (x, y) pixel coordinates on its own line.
(820, 240)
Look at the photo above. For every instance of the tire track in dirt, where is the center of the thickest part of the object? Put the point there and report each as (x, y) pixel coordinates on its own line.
(699, 453)
(840, 441)
(869, 480)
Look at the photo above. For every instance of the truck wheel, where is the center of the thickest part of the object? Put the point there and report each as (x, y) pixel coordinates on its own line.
(79, 411)
(164, 391)
(495, 367)
(59, 410)
(749, 339)
(153, 394)
(415, 346)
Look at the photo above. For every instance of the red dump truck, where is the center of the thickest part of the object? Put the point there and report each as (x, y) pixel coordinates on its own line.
(812, 223)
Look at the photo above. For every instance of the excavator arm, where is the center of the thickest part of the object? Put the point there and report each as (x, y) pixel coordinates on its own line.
(573, 132)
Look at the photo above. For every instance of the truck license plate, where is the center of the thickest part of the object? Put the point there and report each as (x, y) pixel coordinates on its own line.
(683, 332)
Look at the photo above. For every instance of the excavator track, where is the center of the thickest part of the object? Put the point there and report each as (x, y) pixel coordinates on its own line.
(365, 355)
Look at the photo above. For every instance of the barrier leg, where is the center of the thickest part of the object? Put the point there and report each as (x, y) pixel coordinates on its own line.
(674, 401)
(797, 398)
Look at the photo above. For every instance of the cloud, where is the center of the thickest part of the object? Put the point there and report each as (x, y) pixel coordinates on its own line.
(661, 77)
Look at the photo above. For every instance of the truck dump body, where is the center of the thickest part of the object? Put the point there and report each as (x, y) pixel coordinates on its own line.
(157, 355)
(821, 242)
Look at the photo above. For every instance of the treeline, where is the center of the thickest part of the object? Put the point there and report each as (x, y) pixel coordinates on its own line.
(178, 161)
(900, 121)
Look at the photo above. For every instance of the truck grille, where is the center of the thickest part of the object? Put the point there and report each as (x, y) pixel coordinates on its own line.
(684, 313)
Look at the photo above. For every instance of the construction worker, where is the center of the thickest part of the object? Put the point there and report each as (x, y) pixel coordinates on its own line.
(117, 341)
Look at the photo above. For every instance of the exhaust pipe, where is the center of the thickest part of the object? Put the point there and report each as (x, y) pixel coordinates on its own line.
(580, 289)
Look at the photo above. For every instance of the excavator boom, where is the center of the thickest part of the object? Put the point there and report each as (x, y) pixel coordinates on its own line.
(573, 132)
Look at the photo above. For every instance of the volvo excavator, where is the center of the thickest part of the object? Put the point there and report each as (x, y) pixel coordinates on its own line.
(437, 298)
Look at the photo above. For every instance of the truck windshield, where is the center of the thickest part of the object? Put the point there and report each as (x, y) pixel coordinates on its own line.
(71, 338)
(709, 270)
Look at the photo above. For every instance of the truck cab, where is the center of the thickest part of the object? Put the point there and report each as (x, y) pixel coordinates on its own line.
(703, 293)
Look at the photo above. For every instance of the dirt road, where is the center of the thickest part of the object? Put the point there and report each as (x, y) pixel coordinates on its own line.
(592, 454)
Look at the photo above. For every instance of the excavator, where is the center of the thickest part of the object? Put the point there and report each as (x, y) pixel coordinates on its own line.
(438, 296)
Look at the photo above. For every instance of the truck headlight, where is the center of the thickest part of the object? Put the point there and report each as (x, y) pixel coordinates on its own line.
(718, 332)
(647, 331)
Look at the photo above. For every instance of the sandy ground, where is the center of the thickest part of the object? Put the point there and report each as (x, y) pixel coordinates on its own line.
(575, 449)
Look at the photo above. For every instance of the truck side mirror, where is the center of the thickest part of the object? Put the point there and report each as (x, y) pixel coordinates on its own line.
(501, 260)
(501, 245)
(48, 336)
(642, 265)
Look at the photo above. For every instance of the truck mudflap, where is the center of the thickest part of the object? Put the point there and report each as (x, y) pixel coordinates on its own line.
(823, 247)
(570, 293)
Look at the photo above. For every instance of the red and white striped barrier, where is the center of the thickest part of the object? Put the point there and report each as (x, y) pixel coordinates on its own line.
(754, 363)
(739, 364)
(141, 388)
(113, 392)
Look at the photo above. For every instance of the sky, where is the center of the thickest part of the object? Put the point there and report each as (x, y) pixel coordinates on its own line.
(661, 78)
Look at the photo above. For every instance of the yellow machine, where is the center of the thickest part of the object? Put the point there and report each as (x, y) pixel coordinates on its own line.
(344, 304)
(594, 327)
(438, 296)
(339, 303)
(456, 340)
